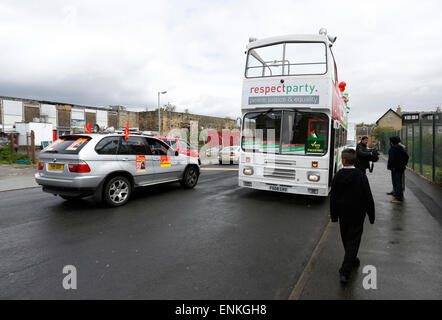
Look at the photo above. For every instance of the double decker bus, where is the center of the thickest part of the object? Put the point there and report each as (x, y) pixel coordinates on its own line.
(293, 115)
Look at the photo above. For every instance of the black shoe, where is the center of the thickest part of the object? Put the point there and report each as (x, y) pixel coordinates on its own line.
(390, 193)
(344, 278)
(357, 263)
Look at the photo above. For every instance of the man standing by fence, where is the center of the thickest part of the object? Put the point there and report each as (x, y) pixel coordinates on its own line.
(397, 161)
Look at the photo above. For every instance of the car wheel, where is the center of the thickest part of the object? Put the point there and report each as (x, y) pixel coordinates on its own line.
(117, 191)
(190, 177)
(70, 198)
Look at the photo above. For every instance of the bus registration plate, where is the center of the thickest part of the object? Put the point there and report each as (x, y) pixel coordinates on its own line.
(278, 188)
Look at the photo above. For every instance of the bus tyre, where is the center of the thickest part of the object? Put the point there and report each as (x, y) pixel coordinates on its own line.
(117, 191)
(190, 177)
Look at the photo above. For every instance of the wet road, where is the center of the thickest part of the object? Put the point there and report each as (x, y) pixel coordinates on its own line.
(218, 241)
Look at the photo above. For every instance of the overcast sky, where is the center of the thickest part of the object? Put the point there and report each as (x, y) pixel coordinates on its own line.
(123, 52)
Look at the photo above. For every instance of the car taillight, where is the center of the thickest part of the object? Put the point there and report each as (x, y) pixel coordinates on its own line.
(41, 165)
(81, 167)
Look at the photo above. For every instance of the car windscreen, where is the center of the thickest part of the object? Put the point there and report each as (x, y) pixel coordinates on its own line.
(67, 145)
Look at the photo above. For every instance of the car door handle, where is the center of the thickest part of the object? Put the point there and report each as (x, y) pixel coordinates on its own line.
(125, 159)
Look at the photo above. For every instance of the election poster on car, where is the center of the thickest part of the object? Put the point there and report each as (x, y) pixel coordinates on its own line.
(141, 163)
(76, 144)
(165, 161)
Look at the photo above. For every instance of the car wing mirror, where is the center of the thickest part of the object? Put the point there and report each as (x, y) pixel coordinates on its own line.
(177, 153)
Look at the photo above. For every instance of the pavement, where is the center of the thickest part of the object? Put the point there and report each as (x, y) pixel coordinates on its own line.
(15, 177)
(404, 245)
(217, 241)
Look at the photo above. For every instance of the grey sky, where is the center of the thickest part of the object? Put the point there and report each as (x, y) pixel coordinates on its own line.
(123, 52)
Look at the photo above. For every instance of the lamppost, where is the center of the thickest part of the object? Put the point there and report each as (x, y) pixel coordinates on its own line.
(159, 110)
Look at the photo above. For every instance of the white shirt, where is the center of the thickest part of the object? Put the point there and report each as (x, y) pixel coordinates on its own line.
(349, 167)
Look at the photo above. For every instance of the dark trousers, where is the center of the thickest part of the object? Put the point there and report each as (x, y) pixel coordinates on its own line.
(403, 181)
(351, 234)
(397, 177)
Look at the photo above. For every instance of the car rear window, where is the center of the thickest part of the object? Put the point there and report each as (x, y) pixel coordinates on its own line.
(68, 145)
(172, 143)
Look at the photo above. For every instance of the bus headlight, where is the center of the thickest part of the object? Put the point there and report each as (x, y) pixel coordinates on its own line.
(248, 171)
(312, 176)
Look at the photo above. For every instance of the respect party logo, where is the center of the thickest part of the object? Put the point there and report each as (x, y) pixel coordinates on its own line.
(284, 89)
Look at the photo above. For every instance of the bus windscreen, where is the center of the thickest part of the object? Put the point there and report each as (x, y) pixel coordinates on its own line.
(286, 132)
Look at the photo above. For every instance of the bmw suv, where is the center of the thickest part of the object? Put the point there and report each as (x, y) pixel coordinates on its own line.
(109, 167)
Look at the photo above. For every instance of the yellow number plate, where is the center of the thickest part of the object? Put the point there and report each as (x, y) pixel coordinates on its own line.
(55, 166)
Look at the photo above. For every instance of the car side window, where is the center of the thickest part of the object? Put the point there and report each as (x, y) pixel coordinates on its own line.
(157, 148)
(134, 146)
(108, 145)
(184, 145)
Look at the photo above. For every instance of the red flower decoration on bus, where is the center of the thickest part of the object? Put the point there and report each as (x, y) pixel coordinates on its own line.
(342, 86)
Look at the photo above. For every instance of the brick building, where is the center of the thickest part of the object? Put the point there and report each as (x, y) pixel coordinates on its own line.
(148, 120)
(72, 118)
(391, 119)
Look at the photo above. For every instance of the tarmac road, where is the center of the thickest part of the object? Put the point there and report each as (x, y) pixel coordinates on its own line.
(217, 241)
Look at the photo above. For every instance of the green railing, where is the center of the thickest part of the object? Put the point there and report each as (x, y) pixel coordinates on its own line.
(423, 140)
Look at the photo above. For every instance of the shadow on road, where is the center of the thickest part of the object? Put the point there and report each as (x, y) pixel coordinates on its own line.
(278, 197)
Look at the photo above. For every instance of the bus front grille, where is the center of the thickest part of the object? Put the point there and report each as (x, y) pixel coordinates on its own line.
(279, 173)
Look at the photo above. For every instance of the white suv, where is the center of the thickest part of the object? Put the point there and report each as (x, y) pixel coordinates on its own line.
(110, 167)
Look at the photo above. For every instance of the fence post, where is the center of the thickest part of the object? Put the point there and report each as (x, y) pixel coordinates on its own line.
(433, 160)
(33, 146)
(406, 138)
(412, 145)
(420, 147)
(11, 146)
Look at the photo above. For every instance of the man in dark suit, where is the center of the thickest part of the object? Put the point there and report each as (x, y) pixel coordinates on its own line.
(397, 161)
(350, 201)
(363, 155)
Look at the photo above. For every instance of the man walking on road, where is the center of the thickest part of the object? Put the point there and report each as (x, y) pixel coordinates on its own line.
(350, 201)
(397, 161)
(363, 155)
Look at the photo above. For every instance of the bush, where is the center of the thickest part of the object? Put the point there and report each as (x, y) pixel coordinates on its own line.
(6, 157)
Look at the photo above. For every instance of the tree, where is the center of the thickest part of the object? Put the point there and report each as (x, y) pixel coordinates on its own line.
(168, 107)
(365, 124)
(380, 131)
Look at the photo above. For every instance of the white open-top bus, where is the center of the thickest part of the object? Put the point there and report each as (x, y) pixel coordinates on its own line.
(293, 115)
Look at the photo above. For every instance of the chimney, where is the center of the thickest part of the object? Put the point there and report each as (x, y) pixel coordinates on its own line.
(399, 110)
(438, 109)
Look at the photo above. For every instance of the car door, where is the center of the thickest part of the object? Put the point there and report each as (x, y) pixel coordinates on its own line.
(134, 157)
(164, 160)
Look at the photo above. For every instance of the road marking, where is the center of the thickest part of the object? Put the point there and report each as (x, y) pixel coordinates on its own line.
(219, 169)
(299, 287)
(22, 188)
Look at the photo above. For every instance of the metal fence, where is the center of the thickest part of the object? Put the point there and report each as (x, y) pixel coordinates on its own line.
(423, 140)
